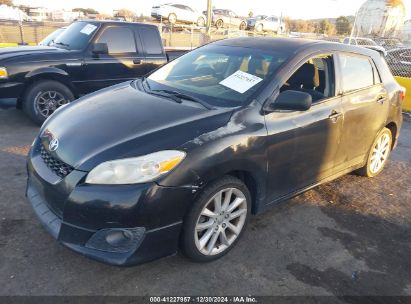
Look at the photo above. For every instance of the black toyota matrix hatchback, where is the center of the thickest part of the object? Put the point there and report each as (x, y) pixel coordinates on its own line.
(181, 158)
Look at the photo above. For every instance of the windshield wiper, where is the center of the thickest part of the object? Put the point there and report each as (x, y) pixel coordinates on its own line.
(62, 44)
(180, 96)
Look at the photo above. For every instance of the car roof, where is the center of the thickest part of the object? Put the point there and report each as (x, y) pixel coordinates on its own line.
(114, 22)
(293, 45)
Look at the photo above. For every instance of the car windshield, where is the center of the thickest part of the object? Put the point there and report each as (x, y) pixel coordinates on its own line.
(260, 17)
(50, 38)
(222, 76)
(76, 36)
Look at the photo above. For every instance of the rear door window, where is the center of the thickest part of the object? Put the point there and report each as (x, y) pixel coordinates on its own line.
(151, 41)
(119, 40)
(357, 72)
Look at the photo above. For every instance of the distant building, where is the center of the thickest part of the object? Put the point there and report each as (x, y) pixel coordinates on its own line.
(67, 16)
(382, 18)
(38, 13)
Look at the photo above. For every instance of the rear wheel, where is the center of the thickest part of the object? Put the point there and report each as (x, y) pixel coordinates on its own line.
(217, 220)
(219, 24)
(44, 97)
(172, 18)
(243, 26)
(378, 155)
(200, 22)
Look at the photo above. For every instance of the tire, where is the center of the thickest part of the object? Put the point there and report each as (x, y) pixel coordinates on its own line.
(219, 24)
(200, 22)
(243, 26)
(196, 243)
(259, 28)
(54, 93)
(383, 144)
(172, 18)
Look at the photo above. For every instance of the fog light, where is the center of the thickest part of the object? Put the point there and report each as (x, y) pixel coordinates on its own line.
(118, 240)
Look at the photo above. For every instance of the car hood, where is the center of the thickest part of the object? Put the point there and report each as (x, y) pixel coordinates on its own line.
(10, 52)
(120, 122)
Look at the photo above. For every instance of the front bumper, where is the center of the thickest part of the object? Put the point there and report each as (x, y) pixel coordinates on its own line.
(118, 225)
(11, 90)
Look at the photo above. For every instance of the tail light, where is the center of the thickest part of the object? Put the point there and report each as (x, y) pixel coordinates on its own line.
(402, 94)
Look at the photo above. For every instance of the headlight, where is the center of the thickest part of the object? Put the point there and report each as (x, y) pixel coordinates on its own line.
(3, 73)
(135, 170)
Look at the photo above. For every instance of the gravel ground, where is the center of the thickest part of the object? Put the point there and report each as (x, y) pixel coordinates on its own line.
(351, 236)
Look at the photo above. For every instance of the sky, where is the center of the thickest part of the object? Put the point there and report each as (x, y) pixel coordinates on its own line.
(297, 9)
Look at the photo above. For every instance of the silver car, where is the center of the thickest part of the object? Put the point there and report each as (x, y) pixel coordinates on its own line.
(262, 23)
(223, 18)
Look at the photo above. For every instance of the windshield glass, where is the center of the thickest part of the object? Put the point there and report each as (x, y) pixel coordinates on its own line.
(76, 36)
(260, 17)
(223, 76)
(50, 38)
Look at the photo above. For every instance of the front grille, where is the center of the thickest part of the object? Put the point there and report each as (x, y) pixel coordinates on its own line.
(59, 168)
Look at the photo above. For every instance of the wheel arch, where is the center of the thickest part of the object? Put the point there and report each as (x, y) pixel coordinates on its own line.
(392, 126)
(49, 73)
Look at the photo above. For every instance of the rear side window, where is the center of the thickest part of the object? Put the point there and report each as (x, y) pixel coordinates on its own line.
(357, 72)
(119, 40)
(151, 41)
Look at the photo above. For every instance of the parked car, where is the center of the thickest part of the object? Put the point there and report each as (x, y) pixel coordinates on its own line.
(87, 56)
(364, 42)
(262, 23)
(49, 40)
(223, 18)
(184, 156)
(178, 13)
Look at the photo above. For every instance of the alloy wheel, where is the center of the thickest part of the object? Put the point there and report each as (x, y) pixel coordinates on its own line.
(221, 221)
(380, 153)
(47, 102)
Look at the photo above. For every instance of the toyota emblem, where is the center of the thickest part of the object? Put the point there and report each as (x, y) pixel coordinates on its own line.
(54, 144)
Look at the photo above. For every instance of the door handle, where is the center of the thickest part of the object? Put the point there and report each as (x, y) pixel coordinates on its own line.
(334, 116)
(381, 99)
(137, 61)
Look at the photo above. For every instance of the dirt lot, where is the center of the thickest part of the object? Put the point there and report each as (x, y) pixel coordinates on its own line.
(348, 237)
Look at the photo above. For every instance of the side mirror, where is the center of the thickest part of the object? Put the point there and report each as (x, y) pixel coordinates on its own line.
(100, 48)
(292, 100)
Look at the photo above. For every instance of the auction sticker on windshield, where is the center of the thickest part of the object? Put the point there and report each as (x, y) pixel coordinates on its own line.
(240, 81)
(88, 29)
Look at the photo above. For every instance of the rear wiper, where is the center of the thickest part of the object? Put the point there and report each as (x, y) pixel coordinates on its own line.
(185, 96)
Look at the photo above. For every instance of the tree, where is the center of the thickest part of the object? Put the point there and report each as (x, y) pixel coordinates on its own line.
(6, 2)
(343, 25)
(250, 14)
(126, 13)
(326, 27)
(86, 11)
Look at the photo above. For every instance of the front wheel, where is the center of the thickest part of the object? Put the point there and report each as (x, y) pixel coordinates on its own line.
(219, 24)
(44, 97)
(217, 220)
(172, 18)
(378, 154)
(259, 28)
(243, 26)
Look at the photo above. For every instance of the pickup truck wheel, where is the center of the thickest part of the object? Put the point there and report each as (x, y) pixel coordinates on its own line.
(219, 24)
(172, 18)
(42, 98)
(259, 28)
(243, 26)
(217, 220)
(378, 154)
(200, 22)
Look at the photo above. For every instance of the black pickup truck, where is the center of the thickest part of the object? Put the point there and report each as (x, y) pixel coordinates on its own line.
(87, 56)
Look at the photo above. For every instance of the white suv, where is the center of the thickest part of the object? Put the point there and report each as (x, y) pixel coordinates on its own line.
(178, 13)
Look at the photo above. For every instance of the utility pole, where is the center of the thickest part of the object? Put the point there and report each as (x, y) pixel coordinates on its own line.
(209, 16)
